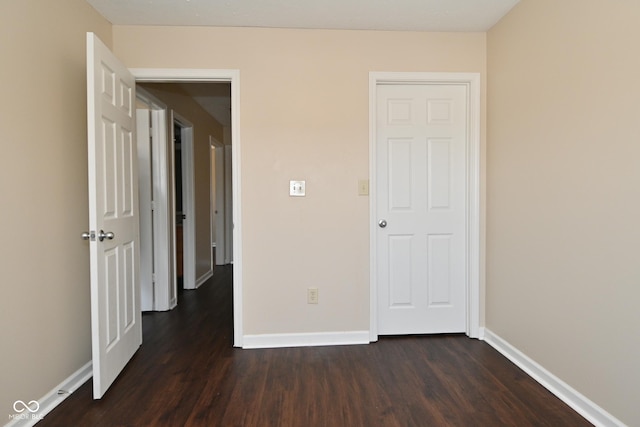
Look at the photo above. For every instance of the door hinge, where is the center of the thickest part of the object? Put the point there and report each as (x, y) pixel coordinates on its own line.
(153, 205)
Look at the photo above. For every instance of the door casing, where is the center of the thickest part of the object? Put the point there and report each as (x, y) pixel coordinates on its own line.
(218, 223)
(472, 285)
(188, 199)
(177, 75)
(158, 285)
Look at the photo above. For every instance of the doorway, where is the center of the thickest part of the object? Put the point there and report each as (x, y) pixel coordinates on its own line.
(193, 122)
(421, 162)
(233, 78)
(392, 248)
(179, 212)
(183, 200)
(157, 285)
(218, 203)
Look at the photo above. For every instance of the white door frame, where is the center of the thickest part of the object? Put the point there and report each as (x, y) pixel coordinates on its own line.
(144, 126)
(154, 203)
(472, 81)
(229, 201)
(174, 75)
(218, 192)
(188, 198)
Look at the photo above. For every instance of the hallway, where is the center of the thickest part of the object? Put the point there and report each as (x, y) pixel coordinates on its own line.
(188, 374)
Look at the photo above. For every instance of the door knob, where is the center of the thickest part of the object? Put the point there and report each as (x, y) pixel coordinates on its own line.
(88, 235)
(382, 223)
(108, 235)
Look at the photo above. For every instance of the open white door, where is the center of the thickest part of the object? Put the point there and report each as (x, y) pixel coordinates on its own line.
(116, 324)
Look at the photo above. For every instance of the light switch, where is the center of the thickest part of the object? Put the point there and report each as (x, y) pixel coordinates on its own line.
(297, 188)
(363, 187)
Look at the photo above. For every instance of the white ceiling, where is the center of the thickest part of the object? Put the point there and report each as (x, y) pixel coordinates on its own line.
(395, 15)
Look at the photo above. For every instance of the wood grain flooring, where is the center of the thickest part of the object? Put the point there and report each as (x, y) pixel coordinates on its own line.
(188, 374)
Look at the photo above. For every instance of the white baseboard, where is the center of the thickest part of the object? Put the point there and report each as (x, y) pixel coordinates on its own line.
(206, 276)
(52, 399)
(585, 407)
(481, 333)
(305, 340)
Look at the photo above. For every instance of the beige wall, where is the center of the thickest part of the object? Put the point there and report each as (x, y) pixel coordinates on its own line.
(563, 272)
(203, 126)
(304, 115)
(45, 331)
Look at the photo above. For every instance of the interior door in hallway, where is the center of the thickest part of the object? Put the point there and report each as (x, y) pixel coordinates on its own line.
(421, 208)
(116, 325)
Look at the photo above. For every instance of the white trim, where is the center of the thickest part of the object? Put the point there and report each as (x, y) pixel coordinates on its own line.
(311, 339)
(145, 200)
(172, 75)
(221, 233)
(228, 203)
(56, 396)
(188, 197)
(206, 276)
(217, 75)
(219, 212)
(163, 288)
(164, 266)
(213, 143)
(481, 333)
(472, 81)
(582, 405)
(236, 176)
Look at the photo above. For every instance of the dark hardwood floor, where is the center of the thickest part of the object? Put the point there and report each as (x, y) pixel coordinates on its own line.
(187, 374)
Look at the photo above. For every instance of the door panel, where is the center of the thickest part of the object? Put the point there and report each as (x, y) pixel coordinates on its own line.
(421, 182)
(113, 208)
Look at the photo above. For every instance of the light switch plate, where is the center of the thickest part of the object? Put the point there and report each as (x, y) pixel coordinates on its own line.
(297, 188)
(363, 187)
(312, 296)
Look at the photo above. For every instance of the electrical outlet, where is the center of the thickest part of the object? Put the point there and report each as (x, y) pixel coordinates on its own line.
(312, 295)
